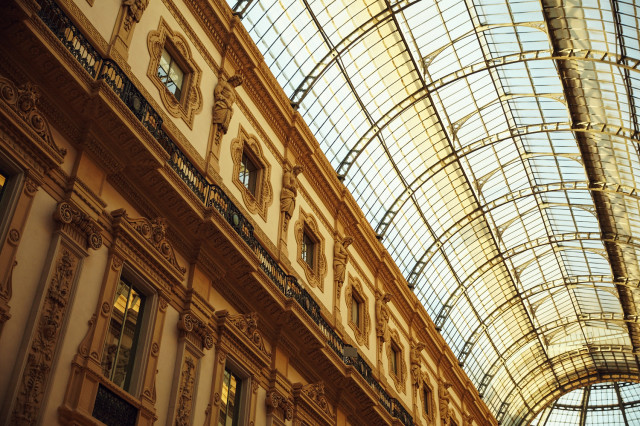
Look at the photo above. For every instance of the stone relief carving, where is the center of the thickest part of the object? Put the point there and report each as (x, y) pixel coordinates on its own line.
(382, 315)
(248, 324)
(185, 401)
(275, 400)
(155, 232)
(23, 100)
(189, 324)
(416, 363)
(340, 260)
(133, 10)
(41, 352)
(443, 401)
(224, 96)
(289, 192)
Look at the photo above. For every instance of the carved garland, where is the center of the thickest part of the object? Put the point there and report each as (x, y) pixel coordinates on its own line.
(315, 275)
(399, 379)
(361, 331)
(259, 202)
(190, 103)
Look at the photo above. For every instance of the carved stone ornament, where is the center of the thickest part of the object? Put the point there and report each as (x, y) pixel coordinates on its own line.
(35, 377)
(133, 11)
(276, 401)
(289, 192)
(382, 315)
(416, 363)
(315, 392)
(340, 260)
(67, 214)
(185, 401)
(190, 324)
(443, 401)
(24, 101)
(248, 324)
(155, 232)
(190, 102)
(224, 96)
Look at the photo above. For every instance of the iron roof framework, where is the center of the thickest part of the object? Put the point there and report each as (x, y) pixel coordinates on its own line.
(493, 145)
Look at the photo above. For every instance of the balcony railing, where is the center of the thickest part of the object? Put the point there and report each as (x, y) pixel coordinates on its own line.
(210, 194)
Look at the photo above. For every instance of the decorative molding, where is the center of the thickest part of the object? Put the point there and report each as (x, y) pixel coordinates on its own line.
(259, 202)
(315, 275)
(187, 385)
(248, 324)
(190, 103)
(23, 101)
(35, 377)
(429, 414)
(67, 214)
(275, 401)
(133, 12)
(155, 232)
(361, 331)
(194, 329)
(399, 378)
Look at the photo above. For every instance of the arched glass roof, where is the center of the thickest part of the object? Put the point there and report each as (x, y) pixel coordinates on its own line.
(493, 145)
(614, 403)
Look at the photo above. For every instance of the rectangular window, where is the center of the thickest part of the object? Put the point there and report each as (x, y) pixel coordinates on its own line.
(395, 353)
(426, 395)
(355, 311)
(123, 335)
(170, 74)
(307, 249)
(230, 399)
(248, 175)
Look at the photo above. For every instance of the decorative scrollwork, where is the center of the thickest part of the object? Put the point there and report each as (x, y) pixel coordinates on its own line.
(189, 324)
(14, 236)
(155, 232)
(67, 214)
(24, 101)
(248, 324)
(275, 400)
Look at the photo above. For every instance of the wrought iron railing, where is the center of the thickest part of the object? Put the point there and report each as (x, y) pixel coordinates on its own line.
(112, 410)
(210, 194)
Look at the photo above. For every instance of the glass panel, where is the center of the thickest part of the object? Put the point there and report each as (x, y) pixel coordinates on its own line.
(355, 311)
(120, 347)
(307, 249)
(230, 400)
(248, 174)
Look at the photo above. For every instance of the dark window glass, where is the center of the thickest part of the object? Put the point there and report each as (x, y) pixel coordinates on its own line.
(355, 311)
(307, 249)
(394, 359)
(248, 174)
(170, 74)
(118, 357)
(426, 395)
(230, 399)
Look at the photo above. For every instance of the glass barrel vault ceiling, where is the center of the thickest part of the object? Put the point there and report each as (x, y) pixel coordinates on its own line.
(494, 147)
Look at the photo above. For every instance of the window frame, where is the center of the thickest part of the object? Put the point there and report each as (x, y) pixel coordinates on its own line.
(144, 338)
(316, 272)
(190, 102)
(428, 406)
(355, 293)
(175, 59)
(244, 399)
(10, 193)
(395, 348)
(258, 201)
